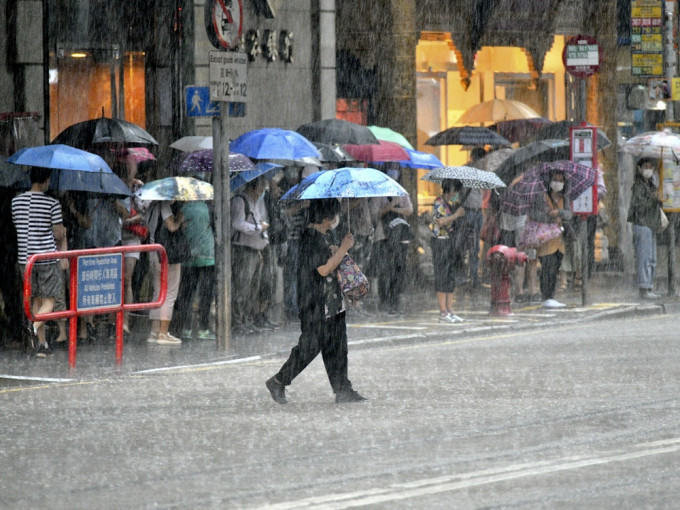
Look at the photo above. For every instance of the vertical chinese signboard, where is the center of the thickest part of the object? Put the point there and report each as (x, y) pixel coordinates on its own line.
(646, 38)
(583, 142)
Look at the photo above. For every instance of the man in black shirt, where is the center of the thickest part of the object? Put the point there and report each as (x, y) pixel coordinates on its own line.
(322, 308)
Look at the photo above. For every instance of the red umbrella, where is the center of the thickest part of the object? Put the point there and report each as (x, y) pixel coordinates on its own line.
(384, 151)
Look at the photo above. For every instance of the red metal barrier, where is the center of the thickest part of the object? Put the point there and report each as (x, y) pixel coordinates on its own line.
(74, 312)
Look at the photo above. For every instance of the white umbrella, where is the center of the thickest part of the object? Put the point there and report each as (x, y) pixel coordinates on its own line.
(654, 144)
(192, 143)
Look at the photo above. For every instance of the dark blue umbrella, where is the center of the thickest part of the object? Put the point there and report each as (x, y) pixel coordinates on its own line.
(274, 143)
(91, 182)
(239, 179)
(345, 183)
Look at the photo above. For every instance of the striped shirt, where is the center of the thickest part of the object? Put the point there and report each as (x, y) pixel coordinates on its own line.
(34, 214)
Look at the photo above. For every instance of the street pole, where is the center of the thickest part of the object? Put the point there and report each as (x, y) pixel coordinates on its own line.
(222, 227)
(671, 66)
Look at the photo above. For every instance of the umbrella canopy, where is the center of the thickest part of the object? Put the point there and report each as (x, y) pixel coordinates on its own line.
(531, 155)
(560, 131)
(469, 176)
(101, 183)
(62, 157)
(202, 161)
(104, 130)
(345, 183)
(238, 180)
(468, 135)
(184, 189)
(274, 143)
(493, 159)
(380, 152)
(518, 130)
(192, 143)
(11, 176)
(654, 144)
(534, 182)
(418, 159)
(337, 131)
(497, 110)
(333, 153)
(388, 135)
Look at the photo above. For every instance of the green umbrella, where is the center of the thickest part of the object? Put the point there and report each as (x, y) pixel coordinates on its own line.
(389, 135)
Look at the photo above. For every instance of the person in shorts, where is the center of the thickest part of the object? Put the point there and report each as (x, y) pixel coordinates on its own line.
(38, 222)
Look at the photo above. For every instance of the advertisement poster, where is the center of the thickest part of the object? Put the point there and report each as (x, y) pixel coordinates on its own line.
(670, 186)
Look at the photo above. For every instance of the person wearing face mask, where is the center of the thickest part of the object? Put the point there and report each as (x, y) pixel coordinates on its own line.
(551, 207)
(321, 305)
(644, 214)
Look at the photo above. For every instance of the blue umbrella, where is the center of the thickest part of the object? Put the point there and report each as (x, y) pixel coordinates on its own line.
(274, 143)
(421, 160)
(62, 157)
(239, 179)
(345, 183)
(106, 183)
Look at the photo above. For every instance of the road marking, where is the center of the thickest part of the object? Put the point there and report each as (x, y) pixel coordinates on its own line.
(430, 486)
(382, 326)
(198, 366)
(36, 379)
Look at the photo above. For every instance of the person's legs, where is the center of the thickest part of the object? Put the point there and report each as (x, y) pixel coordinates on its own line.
(290, 279)
(383, 268)
(185, 297)
(477, 220)
(644, 242)
(333, 341)
(245, 262)
(397, 278)
(130, 263)
(206, 279)
(302, 354)
(550, 265)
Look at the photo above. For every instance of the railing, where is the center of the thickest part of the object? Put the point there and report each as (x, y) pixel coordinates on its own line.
(97, 286)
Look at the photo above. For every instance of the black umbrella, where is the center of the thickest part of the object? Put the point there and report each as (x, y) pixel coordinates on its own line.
(468, 135)
(104, 130)
(337, 132)
(530, 155)
(12, 176)
(560, 131)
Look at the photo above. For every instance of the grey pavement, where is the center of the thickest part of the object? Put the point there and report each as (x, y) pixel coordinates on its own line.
(610, 294)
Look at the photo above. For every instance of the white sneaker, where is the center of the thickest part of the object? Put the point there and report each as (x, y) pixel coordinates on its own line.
(454, 318)
(551, 303)
(168, 339)
(153, 338)
(450, 318)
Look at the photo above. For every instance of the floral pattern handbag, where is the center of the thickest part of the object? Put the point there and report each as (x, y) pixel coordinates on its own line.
(353, 282)
(536, 233)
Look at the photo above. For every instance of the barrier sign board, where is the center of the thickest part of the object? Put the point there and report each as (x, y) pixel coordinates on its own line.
(100, 281)
(584, 152)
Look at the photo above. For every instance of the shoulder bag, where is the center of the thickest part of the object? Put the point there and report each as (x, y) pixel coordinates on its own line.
(175, 243)
(353, 282)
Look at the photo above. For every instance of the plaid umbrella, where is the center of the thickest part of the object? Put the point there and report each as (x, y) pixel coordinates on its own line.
(470, 177)
(519, 197)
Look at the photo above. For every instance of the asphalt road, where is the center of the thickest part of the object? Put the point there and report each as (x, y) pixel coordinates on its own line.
(583, 415)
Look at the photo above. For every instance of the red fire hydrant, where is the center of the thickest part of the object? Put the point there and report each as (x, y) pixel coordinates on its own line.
(502, 260)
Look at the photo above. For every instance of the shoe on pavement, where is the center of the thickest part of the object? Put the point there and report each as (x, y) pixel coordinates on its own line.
(186, 334)
(277, 390)
(552, 303)
(168, 339)
(43, 351)
(648, 294)
(450, 318)
(153, 338)
(347, 396)
(206, 334)
(522, 298)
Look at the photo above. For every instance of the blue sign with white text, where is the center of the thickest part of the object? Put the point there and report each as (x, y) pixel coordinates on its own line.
(199, 104)
(100, 281)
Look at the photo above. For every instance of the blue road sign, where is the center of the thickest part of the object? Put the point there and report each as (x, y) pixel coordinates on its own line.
(199, 104)
(99, 281)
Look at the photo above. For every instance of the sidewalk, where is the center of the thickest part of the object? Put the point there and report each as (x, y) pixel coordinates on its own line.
(610, 295)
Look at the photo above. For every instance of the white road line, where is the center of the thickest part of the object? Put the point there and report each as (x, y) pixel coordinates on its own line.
(38, 379)
(200, 365)
(430, 486)
(384, 326)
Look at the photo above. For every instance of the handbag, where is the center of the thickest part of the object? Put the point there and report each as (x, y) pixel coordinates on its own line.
(491, 232)
(175, 243)
(353, 282)
(138, 229)
(664, 220)
(537, 233)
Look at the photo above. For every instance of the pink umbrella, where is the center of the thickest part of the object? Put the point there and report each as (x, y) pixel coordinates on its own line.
(384, 151)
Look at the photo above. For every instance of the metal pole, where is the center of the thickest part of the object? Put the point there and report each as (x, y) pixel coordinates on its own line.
(671, 66)
(222, 227)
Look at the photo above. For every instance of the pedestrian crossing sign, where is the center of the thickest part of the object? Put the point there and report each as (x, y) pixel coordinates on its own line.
(198, 103)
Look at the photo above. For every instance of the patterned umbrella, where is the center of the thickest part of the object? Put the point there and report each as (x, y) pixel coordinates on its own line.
(345, 183)
(184, 189)
(654, 144)
(519, 197)
(202, 161)
(389, 135)
(468, 135)
(383, 151)
(273, 143)
(470, 177)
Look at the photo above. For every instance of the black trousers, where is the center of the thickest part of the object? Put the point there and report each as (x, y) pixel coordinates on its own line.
(391, 273)
(193, 277)
(327, 336)
(550, 267)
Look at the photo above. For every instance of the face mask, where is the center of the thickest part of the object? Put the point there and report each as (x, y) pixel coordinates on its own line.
(647, 173)
(556, 186)
(335, 222)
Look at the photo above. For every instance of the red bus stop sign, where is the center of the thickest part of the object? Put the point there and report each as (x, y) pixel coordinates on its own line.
(582, 56)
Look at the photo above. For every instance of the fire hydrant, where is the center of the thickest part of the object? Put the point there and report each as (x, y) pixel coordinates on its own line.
(502, 260)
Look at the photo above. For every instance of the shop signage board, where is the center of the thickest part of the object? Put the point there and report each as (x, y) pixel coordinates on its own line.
(198, 103)
(228, 76)
(581, 56)
(646, 38)
(99, 281)
(583, 148)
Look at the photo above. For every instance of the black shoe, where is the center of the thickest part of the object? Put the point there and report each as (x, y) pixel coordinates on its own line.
(348, 396)
(277, 390)
(43, 351)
